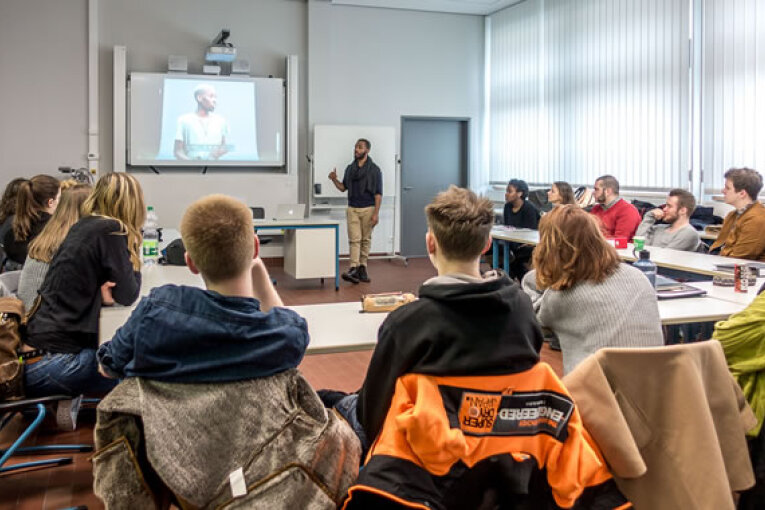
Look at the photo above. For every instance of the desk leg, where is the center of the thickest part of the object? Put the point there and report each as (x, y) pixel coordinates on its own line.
(337, 258)
(494, 254)
(506, 250)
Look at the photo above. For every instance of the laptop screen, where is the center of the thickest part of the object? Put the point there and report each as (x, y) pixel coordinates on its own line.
(290, 212)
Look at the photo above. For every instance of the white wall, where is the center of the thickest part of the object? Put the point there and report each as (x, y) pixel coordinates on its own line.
(372, 66)
(43, 85)
(357, 66)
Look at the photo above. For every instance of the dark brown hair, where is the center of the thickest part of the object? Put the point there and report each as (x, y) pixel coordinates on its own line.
(461, 222)
(745, 179)
(565, 192)
(571, 249)
(8, 202)
(31, 201)
(609, 182)
(684, 199)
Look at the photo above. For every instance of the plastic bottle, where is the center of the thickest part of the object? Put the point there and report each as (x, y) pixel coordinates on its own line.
(649, 268)
(150, 238)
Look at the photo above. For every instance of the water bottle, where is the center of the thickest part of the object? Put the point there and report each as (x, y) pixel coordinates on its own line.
(649, 268)
(150, 238)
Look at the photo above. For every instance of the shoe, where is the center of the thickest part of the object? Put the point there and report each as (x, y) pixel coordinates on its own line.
(66, 413)
(350, 276)
(361, 274)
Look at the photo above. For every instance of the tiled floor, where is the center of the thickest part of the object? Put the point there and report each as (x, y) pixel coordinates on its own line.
(71, 486)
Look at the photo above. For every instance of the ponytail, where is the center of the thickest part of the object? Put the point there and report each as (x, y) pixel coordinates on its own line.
(25, 212)
(31, 200)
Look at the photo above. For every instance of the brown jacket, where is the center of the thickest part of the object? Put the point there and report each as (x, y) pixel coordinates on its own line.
(743, 236)
(154, 437)
(670, 422)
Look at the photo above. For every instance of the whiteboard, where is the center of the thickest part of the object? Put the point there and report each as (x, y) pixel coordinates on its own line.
(333, 148)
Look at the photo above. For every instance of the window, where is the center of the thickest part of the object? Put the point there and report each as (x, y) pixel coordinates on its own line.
(581, 88)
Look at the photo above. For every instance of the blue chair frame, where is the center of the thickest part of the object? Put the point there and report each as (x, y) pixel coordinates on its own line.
(9, 409)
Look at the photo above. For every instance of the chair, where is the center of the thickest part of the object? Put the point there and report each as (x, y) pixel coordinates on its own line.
(9, 409)
(9, 280)
(259, 213)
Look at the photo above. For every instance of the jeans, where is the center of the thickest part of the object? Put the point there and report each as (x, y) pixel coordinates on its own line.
(347, 409)
(66, 374)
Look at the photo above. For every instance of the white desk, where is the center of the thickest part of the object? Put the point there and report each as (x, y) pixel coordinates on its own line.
(697, 309)
(728, 294)
(332, 326)
(689, 261)
(340, 326)
(308, 250)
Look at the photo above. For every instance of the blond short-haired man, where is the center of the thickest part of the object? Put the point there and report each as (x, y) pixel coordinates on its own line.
(235, 329)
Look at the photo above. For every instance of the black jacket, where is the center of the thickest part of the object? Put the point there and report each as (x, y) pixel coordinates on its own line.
(92, 253)
(526, 217)
(453, 329)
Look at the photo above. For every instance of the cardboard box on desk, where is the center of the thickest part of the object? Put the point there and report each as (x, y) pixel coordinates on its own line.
(385, 302)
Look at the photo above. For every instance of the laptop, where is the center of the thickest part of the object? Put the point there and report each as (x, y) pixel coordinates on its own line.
(290, 212)
(667, 288)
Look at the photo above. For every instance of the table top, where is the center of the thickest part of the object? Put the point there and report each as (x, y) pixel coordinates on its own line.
(728, 294)
(517, 235)
(697, 309)
(700, 263)
(300, 222)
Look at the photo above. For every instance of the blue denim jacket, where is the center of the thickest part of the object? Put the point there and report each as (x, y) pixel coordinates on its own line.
(190, 335)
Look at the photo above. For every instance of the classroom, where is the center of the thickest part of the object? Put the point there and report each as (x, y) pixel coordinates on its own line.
(506, 254)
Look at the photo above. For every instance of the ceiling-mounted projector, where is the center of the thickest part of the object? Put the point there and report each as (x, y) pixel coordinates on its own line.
(220, 50)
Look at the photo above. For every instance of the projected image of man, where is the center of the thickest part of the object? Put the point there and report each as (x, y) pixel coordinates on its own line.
(201, 135)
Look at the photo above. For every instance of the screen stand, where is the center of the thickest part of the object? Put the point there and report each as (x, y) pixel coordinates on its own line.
(154, 170)
(204, 170)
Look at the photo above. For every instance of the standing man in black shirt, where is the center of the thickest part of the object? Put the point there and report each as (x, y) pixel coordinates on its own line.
(519, 213)
(363, 181)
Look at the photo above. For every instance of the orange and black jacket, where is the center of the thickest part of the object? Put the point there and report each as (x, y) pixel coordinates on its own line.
(463, 415)
(514, 441)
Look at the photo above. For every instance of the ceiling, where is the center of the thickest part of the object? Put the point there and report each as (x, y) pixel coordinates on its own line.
(479, 7)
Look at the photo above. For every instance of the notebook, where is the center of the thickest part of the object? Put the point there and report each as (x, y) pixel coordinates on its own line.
(758, 268)
(667, 288)
(290, 212)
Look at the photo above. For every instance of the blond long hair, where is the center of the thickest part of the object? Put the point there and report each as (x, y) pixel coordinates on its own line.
(118, 195)
(67, 214)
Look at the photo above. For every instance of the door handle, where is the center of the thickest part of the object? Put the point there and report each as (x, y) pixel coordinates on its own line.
(407, 188)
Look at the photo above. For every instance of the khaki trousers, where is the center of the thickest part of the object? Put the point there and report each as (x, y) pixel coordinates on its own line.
(359, 233)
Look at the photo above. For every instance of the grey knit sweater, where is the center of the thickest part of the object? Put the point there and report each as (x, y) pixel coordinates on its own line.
(686, 239)
(619, 312)
(30, 281)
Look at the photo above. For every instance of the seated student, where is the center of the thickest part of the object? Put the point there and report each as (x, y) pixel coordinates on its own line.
(519, 212)
(234, 348)
(618, 218)
(472, 332)
(99, 260)
(238, 326)
(741, 337)
(36, 200)
(45, 245)
(741, 235)
(561, 194)
(8, 205)
(675, 232)
(584, 294)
